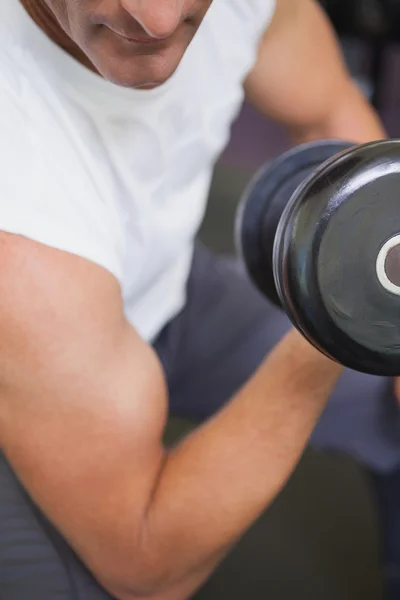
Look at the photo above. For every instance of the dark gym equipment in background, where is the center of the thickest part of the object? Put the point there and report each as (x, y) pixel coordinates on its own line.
(375, 23)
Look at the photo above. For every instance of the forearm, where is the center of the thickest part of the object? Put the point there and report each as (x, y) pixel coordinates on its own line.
(150, 523)
(350, 118)
(219, 479)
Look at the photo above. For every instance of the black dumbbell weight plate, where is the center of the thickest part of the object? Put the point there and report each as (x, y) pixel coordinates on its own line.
(337, 258)
(264, 201)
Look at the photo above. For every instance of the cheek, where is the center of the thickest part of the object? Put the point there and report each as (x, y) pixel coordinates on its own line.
(205, 5)
(60, 11)
(72, 15)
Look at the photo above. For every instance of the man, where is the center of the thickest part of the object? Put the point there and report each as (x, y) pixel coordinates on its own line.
(113, 113)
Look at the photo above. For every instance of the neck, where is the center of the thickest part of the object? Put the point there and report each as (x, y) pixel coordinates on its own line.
(44, 18)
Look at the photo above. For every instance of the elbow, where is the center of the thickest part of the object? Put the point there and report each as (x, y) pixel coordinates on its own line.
(165, 595)
(144, 568)
(131, 591)
(142, 582)
(133, 587)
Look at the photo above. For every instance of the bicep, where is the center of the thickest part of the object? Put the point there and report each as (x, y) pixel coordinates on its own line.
(82, 397)
(300, 70)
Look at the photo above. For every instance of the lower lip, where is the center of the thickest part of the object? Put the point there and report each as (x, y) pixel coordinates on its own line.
(138, 41)
(141, 41)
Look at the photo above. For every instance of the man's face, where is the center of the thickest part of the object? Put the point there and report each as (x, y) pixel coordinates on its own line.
(134, 43)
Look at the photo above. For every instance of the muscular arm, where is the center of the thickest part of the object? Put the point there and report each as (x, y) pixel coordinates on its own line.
(300, 79)
(82, 412)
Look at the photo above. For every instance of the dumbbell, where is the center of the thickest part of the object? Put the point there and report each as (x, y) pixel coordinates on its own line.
(318, 229)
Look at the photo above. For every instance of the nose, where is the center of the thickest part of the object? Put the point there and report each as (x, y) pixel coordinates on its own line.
(159, 18)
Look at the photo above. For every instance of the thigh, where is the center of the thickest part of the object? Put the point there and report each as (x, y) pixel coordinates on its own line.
(219, 339)
(222, 335)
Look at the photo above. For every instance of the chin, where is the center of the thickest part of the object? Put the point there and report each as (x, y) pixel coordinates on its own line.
(133, 82)
(140, 71)
(131, 77)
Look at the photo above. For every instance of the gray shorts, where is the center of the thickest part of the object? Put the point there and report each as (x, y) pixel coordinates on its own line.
(212, 347)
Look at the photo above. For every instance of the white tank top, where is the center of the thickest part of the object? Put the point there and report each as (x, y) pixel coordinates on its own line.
(118, 176)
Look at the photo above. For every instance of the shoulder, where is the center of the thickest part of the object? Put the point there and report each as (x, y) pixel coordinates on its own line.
(16, 153)
(252, 17)
(233, 30)
(45, 193)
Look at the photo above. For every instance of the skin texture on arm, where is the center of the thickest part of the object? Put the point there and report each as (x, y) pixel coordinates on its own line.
(301, 81)
(83, 406)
